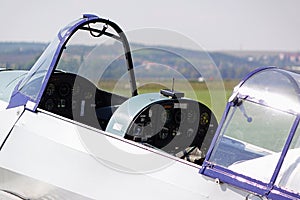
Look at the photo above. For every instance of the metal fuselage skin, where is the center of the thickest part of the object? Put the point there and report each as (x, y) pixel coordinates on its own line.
(46, 156)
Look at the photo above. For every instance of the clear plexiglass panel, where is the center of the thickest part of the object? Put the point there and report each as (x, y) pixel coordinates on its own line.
(252, 139)
(275, 88)
(289, 174)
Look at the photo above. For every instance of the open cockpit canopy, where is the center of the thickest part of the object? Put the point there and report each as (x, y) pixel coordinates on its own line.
(257, 144)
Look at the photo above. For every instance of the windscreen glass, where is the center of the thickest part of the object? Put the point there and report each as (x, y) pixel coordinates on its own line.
(252, 138)
(289, 176)
(8, 81)
(33, 82)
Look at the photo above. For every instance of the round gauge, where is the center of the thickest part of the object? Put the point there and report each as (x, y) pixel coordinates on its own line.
(64, 89)
(50, 89)
(137, 130)
(163, 134)
(204, 118)
(49, 104)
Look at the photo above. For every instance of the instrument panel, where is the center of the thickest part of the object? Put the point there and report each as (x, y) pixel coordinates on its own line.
(76, 98)
(62, 94)
(173, 125)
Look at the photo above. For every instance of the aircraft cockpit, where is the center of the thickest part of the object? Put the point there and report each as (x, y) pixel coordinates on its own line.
(87, 75)
(86, 86)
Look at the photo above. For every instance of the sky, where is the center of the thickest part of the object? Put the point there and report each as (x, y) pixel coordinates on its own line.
(212, 24)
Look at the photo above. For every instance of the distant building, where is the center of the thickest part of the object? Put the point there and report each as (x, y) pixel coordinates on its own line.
(281, 56)
(292, 57)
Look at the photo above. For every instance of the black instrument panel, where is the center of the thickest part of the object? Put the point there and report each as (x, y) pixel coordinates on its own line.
(173, 125)
(76, 98)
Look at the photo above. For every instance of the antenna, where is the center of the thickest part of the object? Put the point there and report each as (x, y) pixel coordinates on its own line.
(173, 84)
(172, 93)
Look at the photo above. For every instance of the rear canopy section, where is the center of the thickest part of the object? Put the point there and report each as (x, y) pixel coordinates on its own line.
(257, 144)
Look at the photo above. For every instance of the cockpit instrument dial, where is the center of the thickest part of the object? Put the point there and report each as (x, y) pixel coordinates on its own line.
(49, 104)
(50, 89)
(204, 118)
(163, 134)
(64, 89)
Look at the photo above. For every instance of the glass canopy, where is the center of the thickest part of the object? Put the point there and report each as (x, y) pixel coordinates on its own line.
(257, 146)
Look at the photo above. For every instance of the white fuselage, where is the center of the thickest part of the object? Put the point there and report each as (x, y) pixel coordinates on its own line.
(49, 156)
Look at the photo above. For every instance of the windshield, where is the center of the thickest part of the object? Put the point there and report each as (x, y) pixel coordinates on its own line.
(252, 131)
(289, 173)
(8, 81)
(32, 83)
